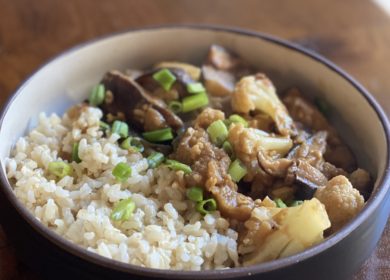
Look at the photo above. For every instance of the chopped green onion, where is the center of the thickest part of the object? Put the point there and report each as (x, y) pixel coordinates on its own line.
(193, 102)
(132, 144)
(237, 170)
(165, 78)
(159, 135)
(155, 159)
(228, 148)
(195, 194)
(175, 165)
(296, 203)
(120, 128)
(60, 169)
(195, 88)
(238, 119)
(136, 145)
(104, 126)
(96, 97)
(175, 106)
(218, 132)
(206, 206)
(322, 106)
(280, 203)
(75, 153)
(126, 144)
(123, 210)
(122, 171)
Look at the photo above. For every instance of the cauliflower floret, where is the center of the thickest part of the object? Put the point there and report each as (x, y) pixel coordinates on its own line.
(207, 117)
(342, 201)
(258, 93)
(273, 233)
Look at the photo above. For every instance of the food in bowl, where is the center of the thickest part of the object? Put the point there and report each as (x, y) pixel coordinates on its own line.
(190, 168)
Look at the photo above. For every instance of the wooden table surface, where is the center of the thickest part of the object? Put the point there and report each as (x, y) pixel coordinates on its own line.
(355, 34)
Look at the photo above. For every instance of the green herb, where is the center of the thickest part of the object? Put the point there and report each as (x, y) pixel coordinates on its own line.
(104, 126)
(237, 170)
(120, 128)
(218, 132)
(123, 210)
(165, 78)
(238, 119)
(75, 153)
(195, 88)
(195, 194)
(122, 171)
(193, 102)
(96, 97)
(175, 106)
(159, 135)
(175, 165)
(206, 206)
(280, 203)
(155, 159)
(60, 169)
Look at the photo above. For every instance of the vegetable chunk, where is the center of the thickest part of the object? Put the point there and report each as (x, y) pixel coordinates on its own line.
(293, 230)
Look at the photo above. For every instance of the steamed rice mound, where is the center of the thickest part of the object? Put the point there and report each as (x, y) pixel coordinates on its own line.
(165, 231)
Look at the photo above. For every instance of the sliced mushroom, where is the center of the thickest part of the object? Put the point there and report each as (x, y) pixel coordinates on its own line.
(218, 82)
(128, 98)
(308, 177)
(305, 112)
(222, 59)
(275, 167)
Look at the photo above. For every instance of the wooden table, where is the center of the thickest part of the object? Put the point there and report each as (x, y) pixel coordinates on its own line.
(353, 33)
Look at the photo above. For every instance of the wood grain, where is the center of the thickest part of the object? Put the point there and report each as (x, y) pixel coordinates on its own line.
(353, 33)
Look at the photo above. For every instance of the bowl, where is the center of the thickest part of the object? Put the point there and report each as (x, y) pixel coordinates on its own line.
(65, 80)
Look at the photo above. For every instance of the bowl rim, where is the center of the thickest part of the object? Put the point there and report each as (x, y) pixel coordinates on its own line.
(372, 204)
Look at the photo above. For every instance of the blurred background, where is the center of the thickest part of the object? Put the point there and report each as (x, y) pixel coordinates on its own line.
(355, 34)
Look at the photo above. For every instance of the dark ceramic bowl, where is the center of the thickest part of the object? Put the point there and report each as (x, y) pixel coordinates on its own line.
(66, 79)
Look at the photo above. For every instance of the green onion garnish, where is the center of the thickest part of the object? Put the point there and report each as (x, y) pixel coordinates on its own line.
(296, 203)
(228, 148)
(75, 153)
(132, 144)
(237, 170)
(155, 159)
(122, 171)
(120, 128)
(175, 106)
(136, 145)
(104, 126)
(218, 132)
(195, 194)
(165, 78)
(126, 144)
(195, 88)
(280, 203)
(206, 206)
(193, 102)
(322, 106)
(238, 119)
(159, 135)
(123, 210)
(175, 165)
(60, 169)
(96, 97)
